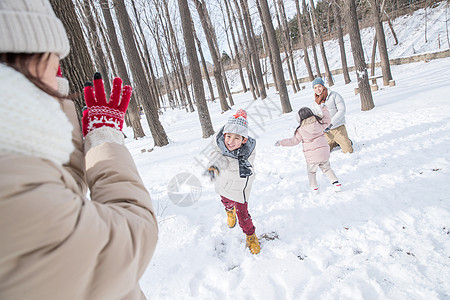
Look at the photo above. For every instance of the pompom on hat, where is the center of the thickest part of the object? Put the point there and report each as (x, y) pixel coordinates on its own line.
(237, 124)
(31, 26)
(318, 80)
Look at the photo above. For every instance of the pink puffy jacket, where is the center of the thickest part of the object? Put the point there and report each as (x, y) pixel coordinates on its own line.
(315, 145)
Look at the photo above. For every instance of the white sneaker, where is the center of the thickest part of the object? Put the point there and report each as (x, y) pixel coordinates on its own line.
(337, 186)
(315, 191)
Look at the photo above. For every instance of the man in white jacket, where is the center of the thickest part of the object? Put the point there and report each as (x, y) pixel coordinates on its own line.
(336, 133)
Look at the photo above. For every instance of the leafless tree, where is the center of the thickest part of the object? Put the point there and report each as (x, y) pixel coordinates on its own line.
(284, 47)
(133, 110)
(287, 34)
(391, 27)
(210, 36)
(236, 50)
(337, 15)
(146, 57)
(267, 48)
(77, 67)
(196, 73)
(205, 67)
(358, 56)
(243, 41)
(141, 84)
(99, 57)
(311, 36)
(286, 43)
(177, 69)
(381, 40)
(176, 49)
(446, 23)
(154, 29)
(303, 41)
(254, 54)
(267, 20)
(322, 47)
(101, 26)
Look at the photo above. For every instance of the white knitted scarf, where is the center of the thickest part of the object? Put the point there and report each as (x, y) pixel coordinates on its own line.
(32, 123)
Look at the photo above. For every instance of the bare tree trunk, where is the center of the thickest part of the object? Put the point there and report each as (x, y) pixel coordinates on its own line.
(201, 8)
(391, 27)
(337, 13)
(205, 67)
(181, 85)
(167, 85)
(227, 29)
(149, 56)
(227, 87)
(77, 67)
(246, 50)
(311, 36)
(284, 47)
(177, 54)
(236, 51)
(374, 52)
(182, 90)
(253, 50)
(382, 47)
(155, 83)
(265, 67)
(446, 24)
(100, 59)
(267, 19)
(146, 59)
(253, 79)
(358, 56)
(267, 48)
(108, 52)
(285, 27)
(303, 41)
(158, 132)
(328, 19)
(196, 73)
(426, 17)
(222, 68)
(133, 109)
(322, 47)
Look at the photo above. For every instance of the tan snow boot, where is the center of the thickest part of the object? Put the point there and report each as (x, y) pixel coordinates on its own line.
(253, 243)
(231, 217)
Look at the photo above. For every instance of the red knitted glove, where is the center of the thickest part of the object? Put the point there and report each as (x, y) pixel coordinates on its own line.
(100, 113)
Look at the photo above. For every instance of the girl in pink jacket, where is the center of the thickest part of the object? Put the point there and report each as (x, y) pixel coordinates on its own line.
(315, 146)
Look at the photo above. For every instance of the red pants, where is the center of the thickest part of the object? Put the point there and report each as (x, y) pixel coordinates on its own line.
(244, 218)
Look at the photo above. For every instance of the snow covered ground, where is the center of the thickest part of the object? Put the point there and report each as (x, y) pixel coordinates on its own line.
(385, 236)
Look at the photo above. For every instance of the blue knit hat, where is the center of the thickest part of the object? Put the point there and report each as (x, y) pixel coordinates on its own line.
(318, 80)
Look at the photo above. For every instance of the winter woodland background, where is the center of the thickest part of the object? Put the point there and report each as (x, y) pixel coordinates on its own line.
(385, 236)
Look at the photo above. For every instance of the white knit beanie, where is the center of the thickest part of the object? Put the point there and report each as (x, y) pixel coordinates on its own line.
(237, 124)
(31, 26)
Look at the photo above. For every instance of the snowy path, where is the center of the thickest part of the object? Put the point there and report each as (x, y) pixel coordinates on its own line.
(385, 236)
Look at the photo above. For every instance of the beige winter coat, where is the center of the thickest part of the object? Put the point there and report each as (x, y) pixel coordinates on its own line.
(228, 183)
(57, 244)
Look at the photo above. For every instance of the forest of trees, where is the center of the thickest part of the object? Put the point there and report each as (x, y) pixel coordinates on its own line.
(159, 47)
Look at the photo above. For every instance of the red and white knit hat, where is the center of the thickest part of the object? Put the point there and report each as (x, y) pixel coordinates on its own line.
(237, 124)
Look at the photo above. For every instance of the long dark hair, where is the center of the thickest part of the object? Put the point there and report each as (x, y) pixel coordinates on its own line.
(305, 113)
(21, 63)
